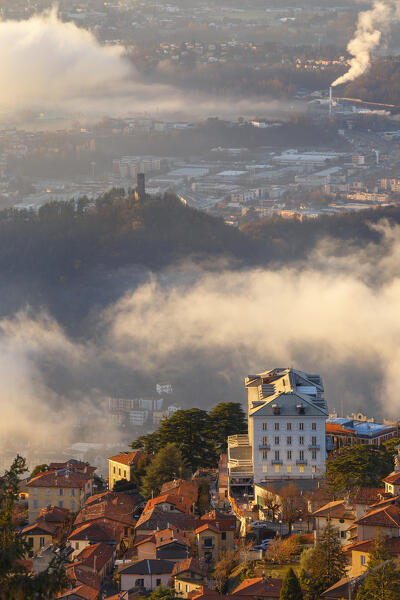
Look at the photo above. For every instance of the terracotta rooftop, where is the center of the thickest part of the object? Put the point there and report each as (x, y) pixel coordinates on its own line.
(385, 516)
(393, 478)
(166, 536)
(40, 528)
(114, 505)
(256, 586)
(179, 502)
(54, 514)
(332, 428)
(156, 517)
(91, 532)
(335, 510)
(78, 575)
(127, 458)
(80, 592)
(189, 564)
(208, 526)
(96, 555)
(59, 478)
(366, 495)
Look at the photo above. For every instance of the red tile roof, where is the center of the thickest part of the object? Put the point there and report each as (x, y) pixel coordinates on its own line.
(178, 502)
(60, 479)
(166, 536)
(77, 575)
(336, 510)
(113, 505)
(54, 514)
(393, 478)
(256, 586)
(40, 528)
(333, 428)
(127, 458)
(367, 545)
(366, 495)
(208, 526)
(385, 516)
(96, 555)
(189, 564)
(91, 532)
(83, 592)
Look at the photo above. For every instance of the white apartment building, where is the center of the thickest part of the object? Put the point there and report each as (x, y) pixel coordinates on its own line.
(286, 430)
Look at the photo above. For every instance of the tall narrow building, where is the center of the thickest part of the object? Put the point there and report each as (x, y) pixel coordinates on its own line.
(286, 429)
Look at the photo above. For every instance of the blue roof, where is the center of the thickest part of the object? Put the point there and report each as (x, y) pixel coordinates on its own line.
(362, 428)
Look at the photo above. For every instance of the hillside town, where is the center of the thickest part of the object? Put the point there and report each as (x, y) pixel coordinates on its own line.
(244, 517)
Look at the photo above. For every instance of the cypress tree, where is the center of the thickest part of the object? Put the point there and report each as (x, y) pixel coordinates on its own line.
(327, 564)
(291, 589)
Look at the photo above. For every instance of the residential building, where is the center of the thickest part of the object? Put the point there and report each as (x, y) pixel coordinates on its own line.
(189, 576)
(286, 430)
(341, 516)
(122, 466)
(146, 574)
(63, 485)
(345, 431)
(46, 529)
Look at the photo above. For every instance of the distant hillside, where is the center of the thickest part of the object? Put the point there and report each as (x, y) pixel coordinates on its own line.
(380, 84)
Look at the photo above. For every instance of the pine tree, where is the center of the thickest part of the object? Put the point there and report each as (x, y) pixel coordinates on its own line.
(383, 578)
(168, 464)
(16, 582)
(291, 589)
(327, 565)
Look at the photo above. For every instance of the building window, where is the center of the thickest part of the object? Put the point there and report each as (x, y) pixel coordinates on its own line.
(125, 474)
(301, 454)
(289, 440)
(313, 426)
(119, 471)
(35, 504)
(276, 426)
(208, 543)
(47, 492)
(158, 582)
(223, 535)
(277, 440)
(76, 545)
(30, 542)
(265, 454)
(113, 469)
(41, 542)
(139, 583)
(314, 469)
(363, 562)
(179, 586)
(289, 455)
(289, 468)
(35, 491)
(72, 504)
(301, 440)
(276, 454)
(61, 492)
(314, 440)
(265, 469)
(301, 469)
(289, 426)
(60, 503)
(265, 426)
(276, 468)
(264, 440)
(187, 588)
(314, 454)
(72, 492)
(301, 426)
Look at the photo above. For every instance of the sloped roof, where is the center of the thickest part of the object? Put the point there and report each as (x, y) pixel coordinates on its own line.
(62, 478)
(151, 566)
(40, 528)
(336, 510)
(127, 458)
(189, 564)
(54, 514)
(393, 478)
(385, 516)
(91, 532)
(156, 517)
(96, 555)
(83, 592)
(367, 495)
(78, 575)
(176, 501)
(257, 586)
(113, 505)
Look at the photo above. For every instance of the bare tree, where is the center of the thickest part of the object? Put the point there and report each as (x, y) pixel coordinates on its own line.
(293, 505)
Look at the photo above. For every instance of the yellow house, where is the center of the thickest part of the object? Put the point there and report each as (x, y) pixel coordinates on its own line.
(212, 541)
(189, 576)
(122, 466)
(58, 487)
(39, 535)
(360, 552)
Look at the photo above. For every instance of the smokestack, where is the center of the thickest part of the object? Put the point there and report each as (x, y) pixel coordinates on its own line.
(141, 187)
(330, 101)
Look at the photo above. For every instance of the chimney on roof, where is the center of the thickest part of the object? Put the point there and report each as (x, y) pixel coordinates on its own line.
(263, 577)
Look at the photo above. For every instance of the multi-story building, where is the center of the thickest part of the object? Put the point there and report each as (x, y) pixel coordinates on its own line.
(122, 466)
(66, 485)
(286, 429)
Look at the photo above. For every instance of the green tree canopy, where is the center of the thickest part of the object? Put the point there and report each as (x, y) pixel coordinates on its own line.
(16, 582)
(361, 465)
(226, 418)
(39, 469)
(167, 465)
(201, 436)
(291, 589)
(327, 564)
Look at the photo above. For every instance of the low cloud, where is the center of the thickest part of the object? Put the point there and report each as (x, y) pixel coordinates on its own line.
(337, 315)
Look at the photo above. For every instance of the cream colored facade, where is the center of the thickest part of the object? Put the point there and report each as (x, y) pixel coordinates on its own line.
(359, 561)
(37, 541)
(118, 471)
(183, 586)
(40, 497)
(211, 544)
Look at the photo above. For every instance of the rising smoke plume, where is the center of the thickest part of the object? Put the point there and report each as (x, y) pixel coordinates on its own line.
(370, 26)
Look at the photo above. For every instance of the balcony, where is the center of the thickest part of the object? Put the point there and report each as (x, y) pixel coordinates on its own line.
(314, 447)
(264, 447)
(301, 462)
(276, 462)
